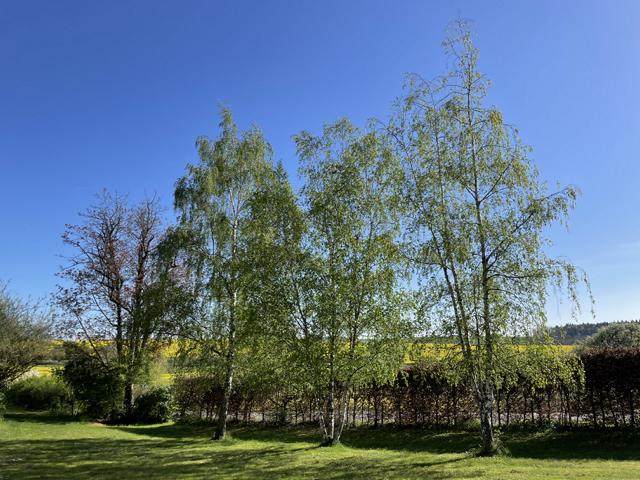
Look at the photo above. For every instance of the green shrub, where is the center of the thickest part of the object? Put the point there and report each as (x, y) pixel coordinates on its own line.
(614, 335)
(153, 406)
(3, 406)
(97, 387)
(23, 339)
(38, 393)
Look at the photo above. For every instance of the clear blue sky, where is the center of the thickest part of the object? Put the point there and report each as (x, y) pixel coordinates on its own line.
(113, 94)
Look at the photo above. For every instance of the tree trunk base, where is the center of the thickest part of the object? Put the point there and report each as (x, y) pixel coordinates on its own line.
(329, 442)
(489, 451)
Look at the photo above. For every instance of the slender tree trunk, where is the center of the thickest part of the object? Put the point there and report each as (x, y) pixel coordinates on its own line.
(486, 400)
(355, 411)
(614, 414)
(369, 411)
(285, 411)
(455, 406)
(223, 412)
(593, 408)
(342, 420)
(376, 411)
(602, 409)
(330, 420)
(533, 406)
(128, 399)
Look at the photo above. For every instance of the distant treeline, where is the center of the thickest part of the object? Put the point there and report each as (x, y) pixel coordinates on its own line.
(573, 333)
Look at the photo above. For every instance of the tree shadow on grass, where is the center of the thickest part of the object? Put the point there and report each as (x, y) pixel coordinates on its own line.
(413, 440)
(387, 438)
(40, 417)
(569, 445)
(123, 459)
(580, 444)
(572, 445)
(255, 432)
(552, 445)
(169, 430)
(168, 458)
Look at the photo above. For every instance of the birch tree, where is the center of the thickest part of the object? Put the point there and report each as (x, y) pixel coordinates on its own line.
(477, 214)
(214, 227)
(345, 322)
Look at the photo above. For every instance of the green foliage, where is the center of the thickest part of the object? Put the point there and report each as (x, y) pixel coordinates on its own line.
(153, 406)
(97, 386)
(265, 376)
(213, 246)
(541, 365)
(614, 335)
(477, 208)
(38, 393)
(345, 320)
(212, 240)
(23, 343)
(477, 212)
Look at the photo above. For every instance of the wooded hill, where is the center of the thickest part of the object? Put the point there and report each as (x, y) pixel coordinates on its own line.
(573, 333)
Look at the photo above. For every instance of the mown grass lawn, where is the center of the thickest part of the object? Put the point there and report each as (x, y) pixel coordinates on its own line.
(37, 446)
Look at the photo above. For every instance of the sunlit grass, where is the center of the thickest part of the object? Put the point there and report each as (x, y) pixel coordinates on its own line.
(34, 446)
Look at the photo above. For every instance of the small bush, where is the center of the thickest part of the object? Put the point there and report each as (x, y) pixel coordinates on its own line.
(97, 387)
(38, 393)
(613, 336)
(153, 406)
(2, 405)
